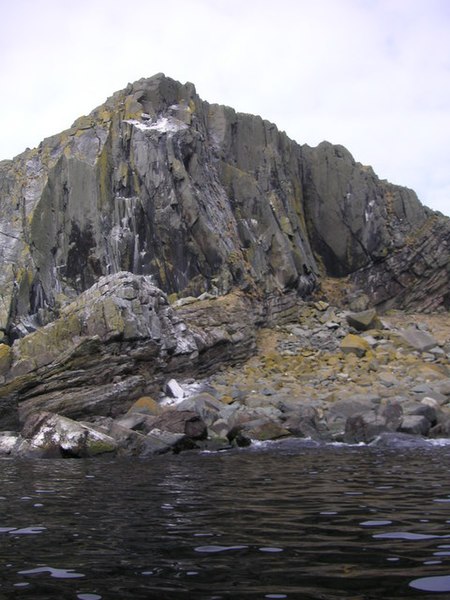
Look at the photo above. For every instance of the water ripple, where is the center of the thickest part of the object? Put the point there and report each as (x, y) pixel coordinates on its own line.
(293, 522)
(57, 573)
(432, 584)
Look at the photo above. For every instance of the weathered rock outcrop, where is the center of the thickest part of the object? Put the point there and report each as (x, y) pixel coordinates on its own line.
(157, 196)
(158, 182)
(117, 341)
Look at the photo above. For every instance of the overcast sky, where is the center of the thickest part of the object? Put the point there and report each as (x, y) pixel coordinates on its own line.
(373, 75)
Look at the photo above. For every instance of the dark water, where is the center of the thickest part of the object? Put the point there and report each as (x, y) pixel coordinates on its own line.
(291, 522)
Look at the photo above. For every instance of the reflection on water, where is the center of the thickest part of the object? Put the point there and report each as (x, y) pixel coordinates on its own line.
(297, 522)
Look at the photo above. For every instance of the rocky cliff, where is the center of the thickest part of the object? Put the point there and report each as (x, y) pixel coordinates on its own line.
(158, 182)
(157, 197)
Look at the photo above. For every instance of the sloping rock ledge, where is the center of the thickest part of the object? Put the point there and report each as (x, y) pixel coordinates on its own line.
(115, 342)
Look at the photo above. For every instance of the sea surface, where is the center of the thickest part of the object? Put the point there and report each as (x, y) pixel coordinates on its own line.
(289, 520)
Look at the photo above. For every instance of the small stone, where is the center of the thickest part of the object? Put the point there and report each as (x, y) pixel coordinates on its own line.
(415, 425)
(387, 379)
(367, 319)
(147, 405)
(173, 389)
(443, 387)
(321, 305)
(227, 399)
(418, 339)
(353, 344)
(435, 399)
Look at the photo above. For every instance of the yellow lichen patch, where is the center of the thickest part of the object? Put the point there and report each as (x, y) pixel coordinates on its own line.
(104, 115)
(432, 372)
(146, 404)
(84, 122)
(226, 399)
(354, 345)
(5, 358)
(133, 108)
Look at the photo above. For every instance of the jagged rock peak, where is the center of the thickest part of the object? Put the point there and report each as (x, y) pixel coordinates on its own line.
(201, 198)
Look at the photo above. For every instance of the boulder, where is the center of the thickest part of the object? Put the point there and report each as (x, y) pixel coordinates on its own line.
(364, 427)
(354, 344)
(261, 429)
(136, 421)
(442, 429)
(159, 442)
(443, 387)
(204, 404)
(10, 443)
(145, 405)
(52, 435)
(392, 414)
(415, 425)
(305, 422)
(186, 422)
(418, 339)
(364, 320)
(426, 410)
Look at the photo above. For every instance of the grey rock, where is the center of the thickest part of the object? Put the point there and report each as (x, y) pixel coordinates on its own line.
(415, 425)
(51, 435)
(182, 421)
(129, 442)
(364, 320)
(342, 409)
(10, 442)
(205, 405)
(435, 397)
(443, 387)
(426, 410)
(418, 339)
(115, 343)
(392, 413)
(364, 427)
(173, 389)
(160, 442)
(261, 429)
(442, 429)
(157, 192)
(136, 421)
(306, 422)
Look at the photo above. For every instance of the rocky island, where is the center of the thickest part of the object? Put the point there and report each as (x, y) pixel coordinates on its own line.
(177, 275)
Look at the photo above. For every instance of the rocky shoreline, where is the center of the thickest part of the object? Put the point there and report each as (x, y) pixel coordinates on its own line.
(164, 245)
(328, 375)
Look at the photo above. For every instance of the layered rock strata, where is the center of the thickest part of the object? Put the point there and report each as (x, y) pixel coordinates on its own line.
(119, 340)
(321, 378)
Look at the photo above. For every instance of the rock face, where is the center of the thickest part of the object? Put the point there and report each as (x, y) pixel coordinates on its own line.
(158, 182)
(151, 239)
(115, 342)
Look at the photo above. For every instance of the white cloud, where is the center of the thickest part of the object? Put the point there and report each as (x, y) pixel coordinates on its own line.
(372, 75)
